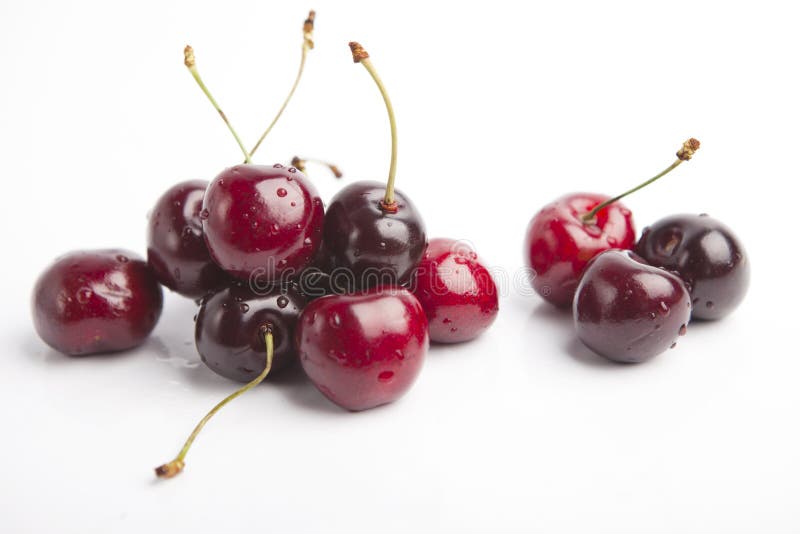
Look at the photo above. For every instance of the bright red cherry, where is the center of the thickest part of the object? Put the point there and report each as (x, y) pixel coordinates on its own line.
(262, 221)
(706, 254)
(456, 291)
(371, 230)
(96, 301)
(629, 311)
(176, 249)
(365, 349)
(559, 243)
(566, 234)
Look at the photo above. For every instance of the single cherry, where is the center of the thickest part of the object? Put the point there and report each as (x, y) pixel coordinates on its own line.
(627, 310)
(372, 229)
(565, 235)
(365, 349)
(176, 249)
(456, 291)
(706, 254)
(263, 221)
(229, 335)
(96, 301)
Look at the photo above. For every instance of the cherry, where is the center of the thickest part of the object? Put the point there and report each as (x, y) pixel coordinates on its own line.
(364, 349)
(706, 254)
(228, 330)
(456, 291)
(262, 221)
(259, 220)
(96, 301)
(565, 235)
(629, 311)
(371, 229)
(176, 248)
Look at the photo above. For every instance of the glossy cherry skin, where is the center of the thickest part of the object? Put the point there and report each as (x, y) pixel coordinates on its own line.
(456, 291)
(629, 311)
(365, 349)
(230, 329)
(706, 254)
(96, 301)
(263, 221)
(176, 249)
(558, 244)
(376, 246)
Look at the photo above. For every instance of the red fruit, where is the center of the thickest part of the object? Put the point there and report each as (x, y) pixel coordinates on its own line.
(365, 349)
(176, 249)
(95, 301)
(456, 291)
(559, 244)
(262, 221)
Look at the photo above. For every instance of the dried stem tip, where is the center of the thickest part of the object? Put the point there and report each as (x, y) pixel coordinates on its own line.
(170, 470)
(308, 29)
(688, 149)
(188, 56)
(358, 52)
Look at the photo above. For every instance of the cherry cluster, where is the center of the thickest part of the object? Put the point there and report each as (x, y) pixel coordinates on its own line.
(354, 293)
(632, 300)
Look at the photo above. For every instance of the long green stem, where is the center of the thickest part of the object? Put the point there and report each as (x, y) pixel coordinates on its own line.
(189, 61)
(361, 56)
(684, 154)
(174, 467)
(308, 44)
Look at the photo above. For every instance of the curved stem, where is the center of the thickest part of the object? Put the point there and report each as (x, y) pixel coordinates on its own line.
(189, 61)
(308, 44)
(684, 154)
(174, 467)
(361, 56)
(300, 164)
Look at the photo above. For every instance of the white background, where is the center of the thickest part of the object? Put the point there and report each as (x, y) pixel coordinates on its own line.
(501, 108)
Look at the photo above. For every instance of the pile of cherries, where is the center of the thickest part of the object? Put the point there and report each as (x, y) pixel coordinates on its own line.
(354, 293)
(632, 300)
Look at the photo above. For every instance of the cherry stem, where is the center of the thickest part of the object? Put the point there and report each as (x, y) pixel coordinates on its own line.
(308, 44)
(300, 164)
(189, 61)
(684, 154)
(174, 467)
(361, 56)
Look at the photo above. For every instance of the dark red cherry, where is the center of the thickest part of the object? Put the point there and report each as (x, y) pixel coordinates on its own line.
(376, 246)
(229, 332)
(629, 311)
(559, 243)
(706, 254)
(365, 349)
(176, 249)
(96, 301)
(456, 291)
(262, 221)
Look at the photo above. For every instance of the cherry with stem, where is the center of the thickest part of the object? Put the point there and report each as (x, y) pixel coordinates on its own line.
(175, 466)
(685, 153)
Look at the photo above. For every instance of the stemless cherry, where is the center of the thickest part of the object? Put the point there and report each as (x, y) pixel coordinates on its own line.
(706, 254)
(260, 220)
(456, 291)
(373, 230)
(365, 349)
(229, 336)
(96, 301)
(176, 249)
(565, 235)
(628, 311)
